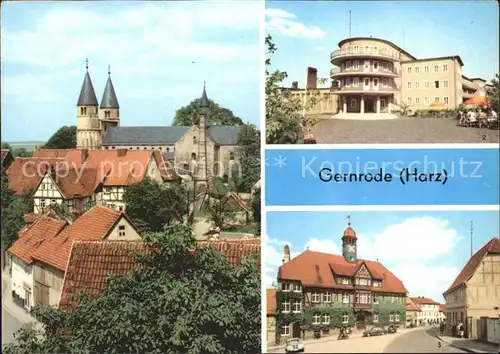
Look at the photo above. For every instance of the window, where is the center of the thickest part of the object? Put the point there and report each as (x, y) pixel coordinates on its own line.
(375, 299)
(285, 330)
(375, 65)
(327, 297)
(121, 230)
(81, 111)
(436, 68)
(383, 103)
(120, 208)
(375, 318)
(344, 281)
(286, 287)
(376, 283)
(445, 83)
(356, 65)
(193, 156)
(417, 70)
(384, 82)
(426, 68)
(436, 84)
(391, 317)
(408, 70)
(345, 298)
(315, 297)
(445, 100)
(326, 318)
(345, 318)
(52, 202)
(367, 64)
(375, 49)
(349, 65)
(285, 306)
(384, 66)
(409, 84)
(231, 156)
(348, 82)
(353, 103)
(417, 100)
(297, 288)
(355, 81)
(436, 99)
(367, 82)
(42, 203)
(356, 49)
(445, 68)
(396, 317)
(375, 82)
(297, 306)
(316, 318)
(367, 49)
(363, 298)
(42, 186)
(417, 84)
(195, 140)
(410, 100)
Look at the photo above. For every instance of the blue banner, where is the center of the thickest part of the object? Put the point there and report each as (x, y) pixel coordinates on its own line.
(382, 177)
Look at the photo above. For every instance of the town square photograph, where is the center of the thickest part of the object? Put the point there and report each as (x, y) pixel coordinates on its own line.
(361, 72)
(382, 281)
(130, 177)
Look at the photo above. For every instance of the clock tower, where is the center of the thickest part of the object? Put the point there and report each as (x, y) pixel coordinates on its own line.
(349, 239)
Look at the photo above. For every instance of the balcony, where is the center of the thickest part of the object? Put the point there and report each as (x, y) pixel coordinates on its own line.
(340, 55)
(361, 71)
(361, 306)
(367, 89)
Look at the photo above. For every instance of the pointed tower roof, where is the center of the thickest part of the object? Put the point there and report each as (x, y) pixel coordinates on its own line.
(204, 97)
(109, 99)
(87, 93)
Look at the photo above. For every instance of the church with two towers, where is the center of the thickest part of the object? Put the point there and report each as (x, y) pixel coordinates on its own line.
(211, 148)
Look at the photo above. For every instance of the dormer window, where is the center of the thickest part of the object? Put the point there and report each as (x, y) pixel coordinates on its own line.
(344, 281)
(285, 287)
(297, 288)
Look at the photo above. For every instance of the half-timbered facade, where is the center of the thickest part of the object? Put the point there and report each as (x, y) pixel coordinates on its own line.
(320, 292)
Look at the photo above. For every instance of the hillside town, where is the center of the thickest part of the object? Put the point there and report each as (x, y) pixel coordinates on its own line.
(126, 203)
(321, 298)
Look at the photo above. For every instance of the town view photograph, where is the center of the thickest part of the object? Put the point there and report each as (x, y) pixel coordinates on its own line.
(363, 72)
(130, 191)
(382, 282)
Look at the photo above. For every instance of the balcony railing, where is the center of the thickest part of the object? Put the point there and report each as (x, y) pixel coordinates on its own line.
(361, 70)
(370, 88)
(348, 52)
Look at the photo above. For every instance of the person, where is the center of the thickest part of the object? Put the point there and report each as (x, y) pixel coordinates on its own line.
(493, 114)
(472, 118)
(441, 327)
(460, 330)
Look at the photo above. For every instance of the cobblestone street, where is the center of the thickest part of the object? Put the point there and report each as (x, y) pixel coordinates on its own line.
(403, 130)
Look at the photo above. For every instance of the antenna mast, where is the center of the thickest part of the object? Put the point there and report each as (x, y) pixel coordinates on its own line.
(349, 23)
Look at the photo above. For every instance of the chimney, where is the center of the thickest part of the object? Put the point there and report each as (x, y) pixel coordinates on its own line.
(295, 85)
(312, 78)
(286, 256)
(122, 152)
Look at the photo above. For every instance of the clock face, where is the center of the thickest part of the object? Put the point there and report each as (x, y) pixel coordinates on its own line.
(350, 248)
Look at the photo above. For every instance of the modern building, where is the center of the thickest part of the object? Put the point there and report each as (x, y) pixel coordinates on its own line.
(429, 314)
(212, 148)
(373, 75)
(475, 293)
(319, 292)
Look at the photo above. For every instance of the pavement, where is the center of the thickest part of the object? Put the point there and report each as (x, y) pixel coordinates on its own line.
(13, 317)
(469, 345)
(400, 131)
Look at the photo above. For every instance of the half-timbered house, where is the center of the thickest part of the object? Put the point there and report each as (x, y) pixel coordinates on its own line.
(320, 292)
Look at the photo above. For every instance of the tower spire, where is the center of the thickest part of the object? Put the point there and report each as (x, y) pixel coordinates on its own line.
(348, 220)
(87, 94)
(109, 70)
(109, 99)
(87, 64)
(204, 97)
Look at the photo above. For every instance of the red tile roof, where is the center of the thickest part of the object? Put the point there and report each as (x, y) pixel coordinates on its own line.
(493, 246)
(424, 301)
(167, 171)
(31, 217)
(75, 182)
(317, 269)
(442, 308)
(51, 153)
(26, 173)
(94, 225)
(32, 237)
(411, 305)
(271, 302)
(91, 262)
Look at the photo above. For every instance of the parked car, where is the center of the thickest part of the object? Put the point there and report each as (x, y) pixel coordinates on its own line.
(294, 345)
(374, 331)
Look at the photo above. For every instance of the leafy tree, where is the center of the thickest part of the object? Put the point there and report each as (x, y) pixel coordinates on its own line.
(152, 206)
(63, 138)
(247, 171)
(22, 152)
(256, 209)
(190, 115)
(494, 93)
(404, 108)
(7, 194)
(217, 206)
(13, 221)
(284, 124)
(178, 302)
(6, 146)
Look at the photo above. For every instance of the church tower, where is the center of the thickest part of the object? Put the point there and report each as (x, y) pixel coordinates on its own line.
(109, 114)
(203, 172)
(349, 246)
(88, 129)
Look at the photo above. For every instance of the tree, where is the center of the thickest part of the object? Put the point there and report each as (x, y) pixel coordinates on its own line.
(247, 171)
(6, 146)
(256, 209)
(217, 205)
(189, 115)
(494, 93)
(152, 206)
(13, 221)
(63, 138)
(284, 124)
(178, 302)
(22, 152)
(7, 194)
